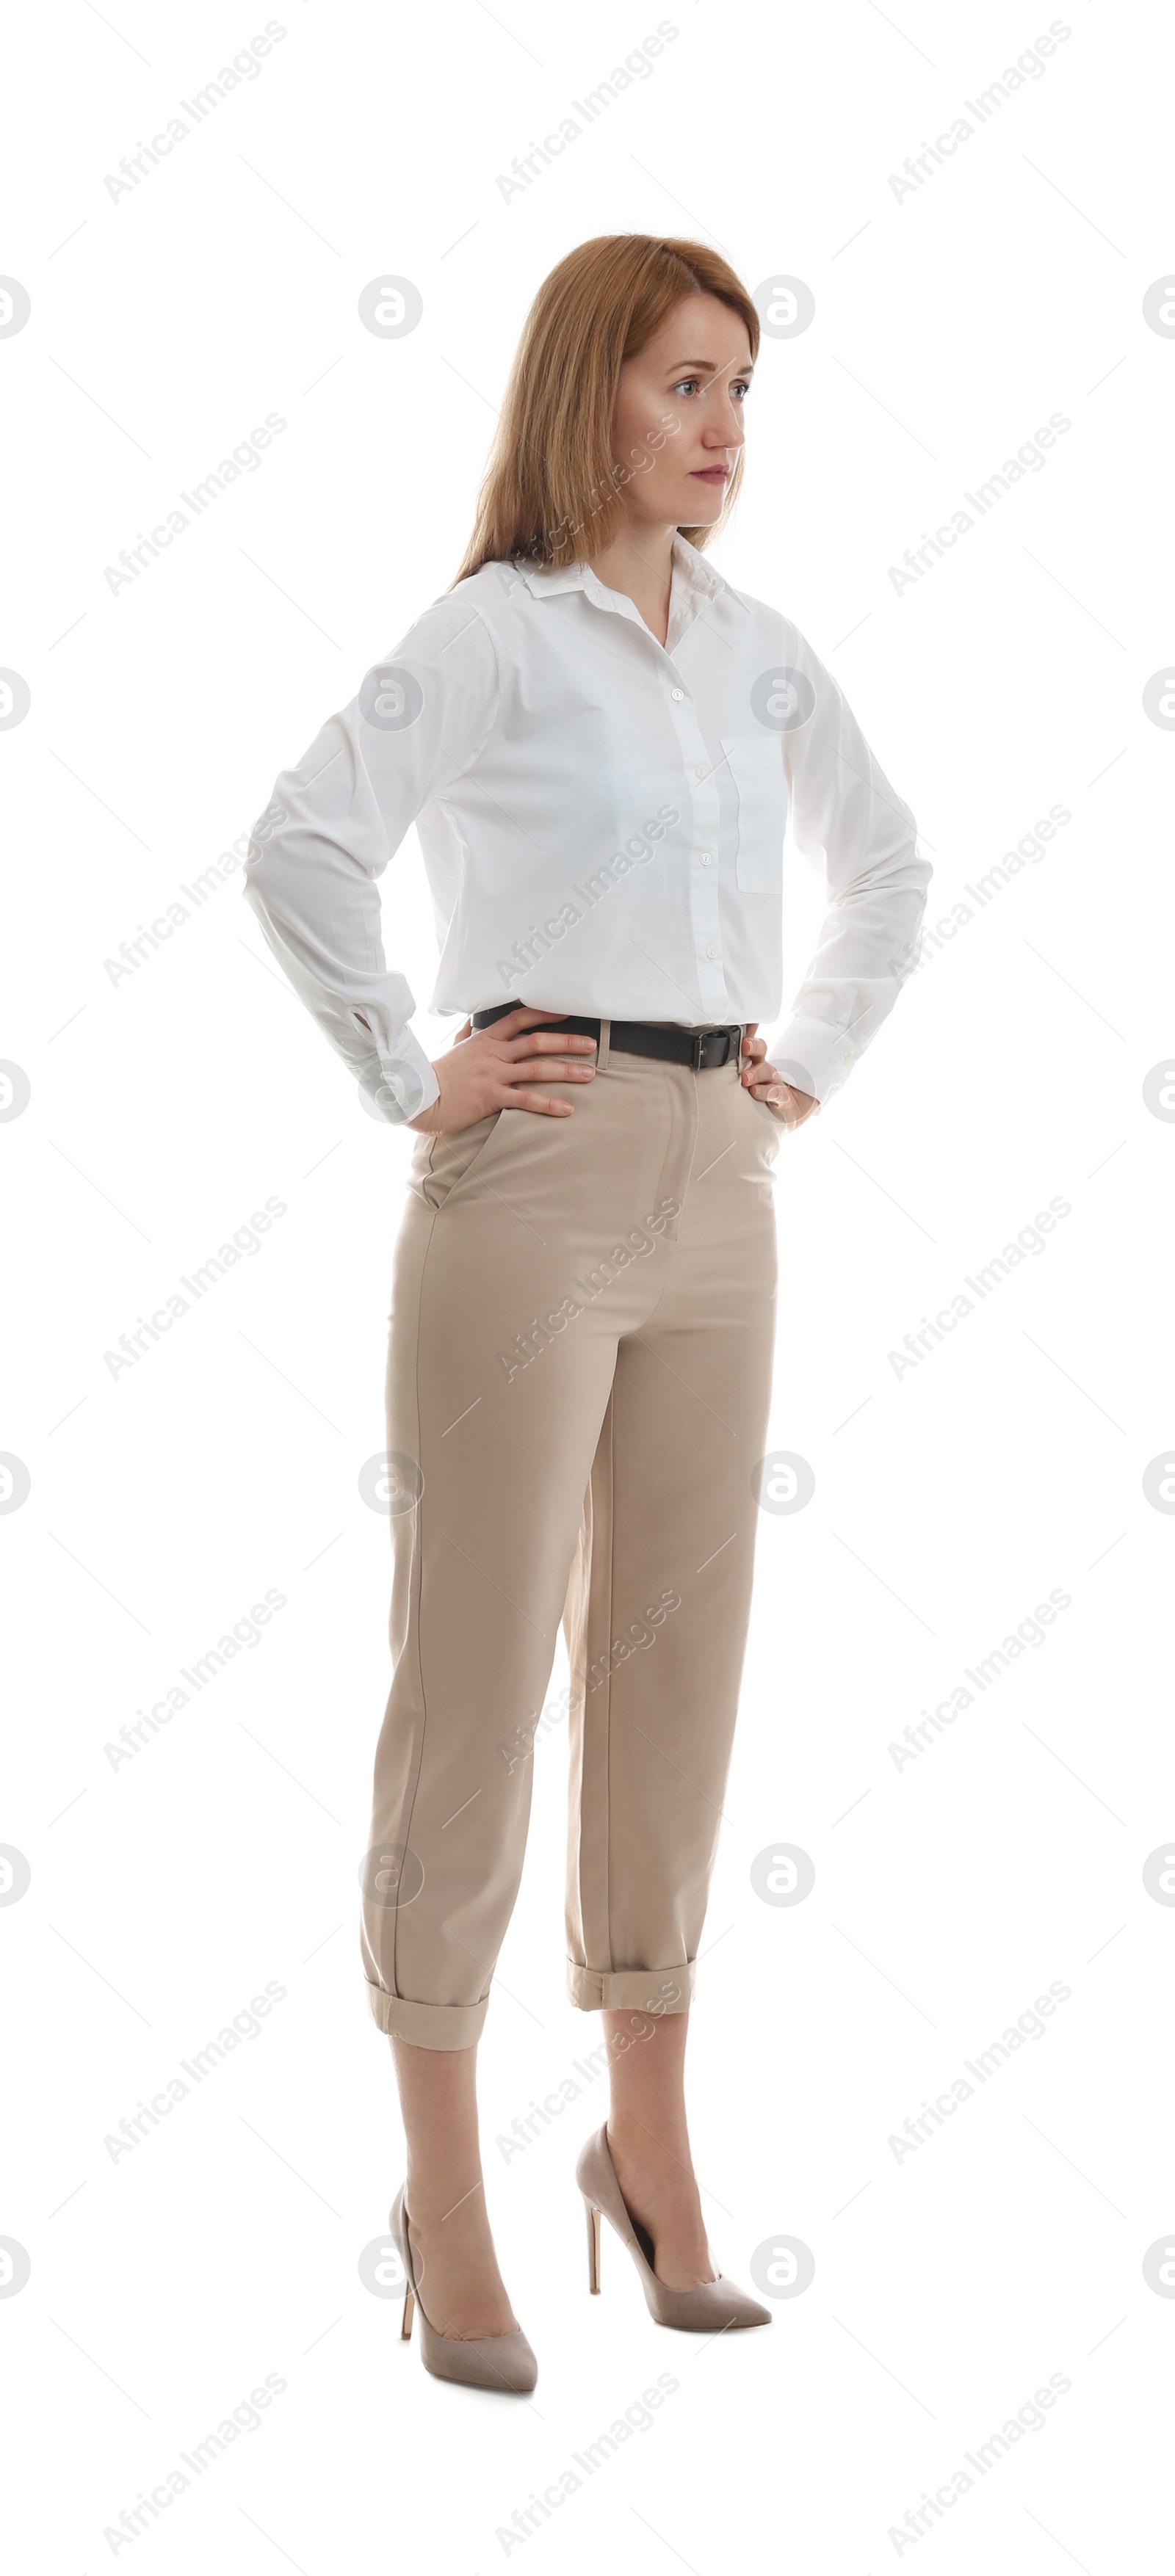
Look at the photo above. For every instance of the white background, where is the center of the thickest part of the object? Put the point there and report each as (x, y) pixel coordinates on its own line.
(949, 2284)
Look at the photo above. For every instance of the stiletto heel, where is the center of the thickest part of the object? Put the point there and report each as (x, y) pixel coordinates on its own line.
(502, 2361)
(593, 2233)
(708, 2309)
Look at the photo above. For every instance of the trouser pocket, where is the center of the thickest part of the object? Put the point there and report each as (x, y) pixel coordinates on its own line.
(441, 1163)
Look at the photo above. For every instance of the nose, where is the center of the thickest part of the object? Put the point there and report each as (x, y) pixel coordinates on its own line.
(727, 430)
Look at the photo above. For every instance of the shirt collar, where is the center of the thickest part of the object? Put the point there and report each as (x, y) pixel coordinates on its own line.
(694, 585)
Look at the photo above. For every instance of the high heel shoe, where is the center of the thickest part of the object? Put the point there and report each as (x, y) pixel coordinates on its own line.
(502, 2361)
(707, 2309)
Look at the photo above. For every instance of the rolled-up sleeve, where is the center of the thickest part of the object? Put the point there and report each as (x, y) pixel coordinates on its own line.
(848, 821)
(315, 856)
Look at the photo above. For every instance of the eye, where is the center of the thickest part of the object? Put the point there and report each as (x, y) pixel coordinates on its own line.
(689, 384)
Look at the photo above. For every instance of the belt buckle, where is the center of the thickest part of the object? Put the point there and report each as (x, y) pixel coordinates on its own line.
(696, 1056)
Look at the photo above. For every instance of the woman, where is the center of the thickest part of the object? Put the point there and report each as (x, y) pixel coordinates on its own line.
(597, 738)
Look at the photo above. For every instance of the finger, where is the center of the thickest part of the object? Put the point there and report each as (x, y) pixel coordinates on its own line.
(532, 1042)
(524, 1016)
(538, 1101)
(548, 1069)
(777, 1094)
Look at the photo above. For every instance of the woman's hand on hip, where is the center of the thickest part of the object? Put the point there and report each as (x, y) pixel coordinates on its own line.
(758, 1077)
(506, 1066)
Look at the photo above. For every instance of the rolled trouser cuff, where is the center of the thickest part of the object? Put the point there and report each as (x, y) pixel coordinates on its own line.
(650, 1990)
(427, 2025)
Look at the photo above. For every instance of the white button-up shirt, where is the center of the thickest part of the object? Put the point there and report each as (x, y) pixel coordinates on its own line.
(602, 819)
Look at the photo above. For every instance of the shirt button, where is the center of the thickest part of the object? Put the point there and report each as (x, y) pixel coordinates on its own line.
(701, 773)
(678, 694)
(712, 950)
(703, 858)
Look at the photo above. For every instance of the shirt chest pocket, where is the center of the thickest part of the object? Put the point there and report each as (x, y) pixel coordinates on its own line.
(755, 762)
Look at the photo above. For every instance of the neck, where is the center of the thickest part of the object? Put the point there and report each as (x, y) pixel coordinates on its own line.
(639, 562)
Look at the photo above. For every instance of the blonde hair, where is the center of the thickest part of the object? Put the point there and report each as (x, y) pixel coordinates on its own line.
(551, 472)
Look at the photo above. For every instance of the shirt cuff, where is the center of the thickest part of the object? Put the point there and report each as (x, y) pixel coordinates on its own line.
(401, 1085)
(812, 1057)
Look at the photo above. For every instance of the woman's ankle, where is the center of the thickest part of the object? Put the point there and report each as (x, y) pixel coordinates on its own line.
(661, 2153)
(449, 2201)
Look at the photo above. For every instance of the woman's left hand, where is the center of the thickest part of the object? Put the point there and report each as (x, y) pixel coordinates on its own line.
(758, 1077)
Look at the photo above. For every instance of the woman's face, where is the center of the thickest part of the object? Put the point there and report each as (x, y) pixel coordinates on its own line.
(678, 422)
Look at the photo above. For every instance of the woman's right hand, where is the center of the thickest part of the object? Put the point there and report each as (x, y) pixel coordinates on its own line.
(505, 1067)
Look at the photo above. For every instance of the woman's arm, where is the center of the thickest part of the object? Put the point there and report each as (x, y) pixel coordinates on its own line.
(847, 819)
(419, 718)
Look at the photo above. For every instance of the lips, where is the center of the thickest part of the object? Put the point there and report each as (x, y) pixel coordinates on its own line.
(711, 474)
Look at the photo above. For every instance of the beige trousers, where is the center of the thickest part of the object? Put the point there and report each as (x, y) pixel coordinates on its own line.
(579, 1373)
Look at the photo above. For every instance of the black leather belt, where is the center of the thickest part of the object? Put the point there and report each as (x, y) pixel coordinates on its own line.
(702, 1048)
